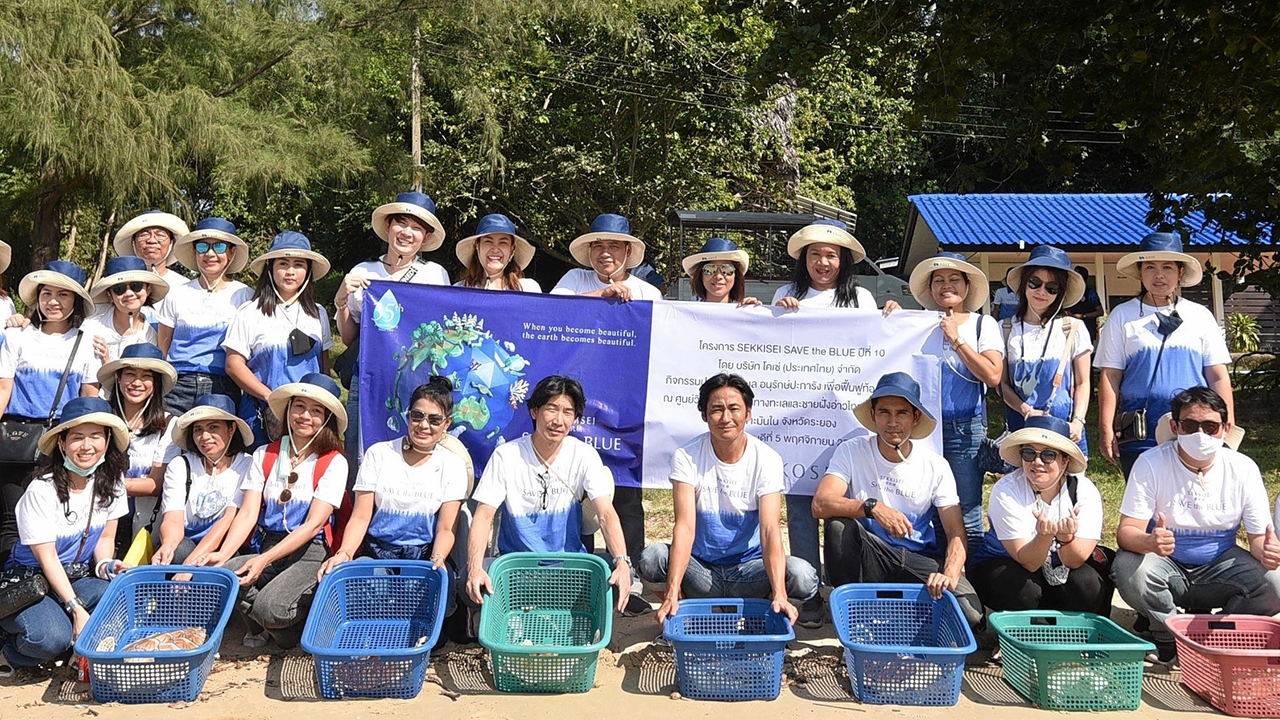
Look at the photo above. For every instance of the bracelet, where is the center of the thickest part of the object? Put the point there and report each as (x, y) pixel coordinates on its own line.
(437, 559)
(1078, 419)
(343, 306)
(99, 569)
(71, 605)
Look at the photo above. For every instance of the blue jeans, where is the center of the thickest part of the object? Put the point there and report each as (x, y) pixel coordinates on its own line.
(802, 530)
(960, 441)
(1157, 586)
(42, 632)
(744, 580)
(192, 386)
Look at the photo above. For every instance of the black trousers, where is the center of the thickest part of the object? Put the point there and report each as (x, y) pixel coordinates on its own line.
(1003, 584)
(628, 502)
(12, 484)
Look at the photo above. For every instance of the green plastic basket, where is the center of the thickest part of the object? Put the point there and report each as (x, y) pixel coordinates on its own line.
(546, 621)
(1071, 660)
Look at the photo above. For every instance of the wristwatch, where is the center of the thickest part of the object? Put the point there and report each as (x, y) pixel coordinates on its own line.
(71, 605)
(869, 506)
(624, 558)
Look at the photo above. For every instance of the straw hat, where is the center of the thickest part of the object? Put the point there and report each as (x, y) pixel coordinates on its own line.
(1044, 430)
(922, 274)
(209, 407)
(717, 248)
(290, 244)
(143, 356)
(56, 273)
(1164, 433)
(1161, 246)
(83, 411)
(607, 227)
(123, 242)
(127, 268)
(313, 386)
(897, 384)
(212, 229)
(1048, 256)
(828, 231)
(6, 254)
(413, 204)
(494, 224)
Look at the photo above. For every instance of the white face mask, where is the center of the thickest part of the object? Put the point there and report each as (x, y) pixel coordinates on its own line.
(1200, 446)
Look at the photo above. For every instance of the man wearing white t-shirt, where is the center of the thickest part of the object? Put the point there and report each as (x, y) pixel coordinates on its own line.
(1182, 510)
(727, 487)
(540, 481)
(879, 497)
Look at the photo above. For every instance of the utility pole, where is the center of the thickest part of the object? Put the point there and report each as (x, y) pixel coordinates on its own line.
(415, 83)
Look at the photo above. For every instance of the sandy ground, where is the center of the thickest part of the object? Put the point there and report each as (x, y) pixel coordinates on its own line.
(634, 679)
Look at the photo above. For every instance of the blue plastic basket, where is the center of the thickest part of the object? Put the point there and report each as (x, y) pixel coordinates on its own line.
(145, 601)
(372, 627)
(900, 645)
(728, 649)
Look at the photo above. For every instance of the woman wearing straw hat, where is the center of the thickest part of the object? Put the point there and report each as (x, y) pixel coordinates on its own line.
(1153, 346)
(494, 258)
(608, 251)
(151, 237)
(34, 360)
(202, 487)
(293, 487)
(972, 361)
(718, 273)
(194, 317)
(1041, 551)
(282, 334)
(1042, 375)
(7, 308)
(66, 526)
(135, 385)
(826, 274)
(127, 292)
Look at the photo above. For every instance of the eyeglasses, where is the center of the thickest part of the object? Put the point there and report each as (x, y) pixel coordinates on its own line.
(219, 247)
(727, 269)
(287, 493)
(122, 288)
(417, 417)
(152, 234)
(1047, 456)
(1208, 427)
(1035, 283)
(544, 477)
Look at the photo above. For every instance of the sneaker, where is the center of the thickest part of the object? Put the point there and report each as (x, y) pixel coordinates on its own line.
(252, 640)
(636, 606)
(1166, 654)
(811, 613)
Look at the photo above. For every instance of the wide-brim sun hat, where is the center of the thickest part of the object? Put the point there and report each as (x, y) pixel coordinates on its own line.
(413, 204)
(1164, 434)
(123, 242)
(1043, 430)
(313, 386)
(1048, 256)
(608, 226)
(713, 250)
(290, 244)
(209, 407)
(55, 273)
(494, 224)
(6, 255)
(212, 229)
(1161, 246)
(825, 230)
(922, 274)
(143, 356)
(897, 384)
(128, 268)
(83, 411)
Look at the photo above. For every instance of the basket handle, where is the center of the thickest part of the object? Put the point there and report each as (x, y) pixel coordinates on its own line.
(550, 563)
(1044, 620)
(889, 595)
(726, 609)
(1222, 625)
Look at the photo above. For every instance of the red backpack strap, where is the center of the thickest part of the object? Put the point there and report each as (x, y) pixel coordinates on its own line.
(269, 459)
(332, 530)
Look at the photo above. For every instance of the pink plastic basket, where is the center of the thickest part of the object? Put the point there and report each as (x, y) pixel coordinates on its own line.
(1233, 661)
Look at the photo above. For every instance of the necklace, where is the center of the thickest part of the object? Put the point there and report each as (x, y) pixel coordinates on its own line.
(407, 447)
(1199, 471)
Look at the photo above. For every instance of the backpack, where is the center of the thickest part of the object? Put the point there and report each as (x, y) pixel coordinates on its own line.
(337, 523)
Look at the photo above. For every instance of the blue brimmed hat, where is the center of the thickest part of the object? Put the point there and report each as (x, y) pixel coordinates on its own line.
(290, 244)
(717, 248)
(209, 407)
(922, 275)
(313, 386)
(898, 384)
(128, 268)
(1048, 256)
(608, 226)
(413, 204)
(1043, 430)
(1161, 246)
(83, 411)
(212, 229)
(123, 242)
(56, 273)
(495, 224)
(825, 230)
(143, 356)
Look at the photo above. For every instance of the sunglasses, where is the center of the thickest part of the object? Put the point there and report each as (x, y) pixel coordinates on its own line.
(1047, 456)
(1035, 283)
(1208, 427)
(122, 288)
(219, 247)
(417, 417)
(727, 270)
(544, 477)
(287, 493)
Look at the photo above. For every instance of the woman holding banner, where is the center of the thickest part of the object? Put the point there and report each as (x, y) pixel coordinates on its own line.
(494, 258)
(718, 273)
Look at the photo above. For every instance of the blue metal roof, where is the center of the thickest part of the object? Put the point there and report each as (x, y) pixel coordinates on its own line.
(1064, 220)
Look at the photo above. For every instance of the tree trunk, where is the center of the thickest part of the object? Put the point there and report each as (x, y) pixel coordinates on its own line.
(46, 236)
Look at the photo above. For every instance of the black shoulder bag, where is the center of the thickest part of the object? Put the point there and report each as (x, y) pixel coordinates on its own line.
(22, 587)
(20, 439)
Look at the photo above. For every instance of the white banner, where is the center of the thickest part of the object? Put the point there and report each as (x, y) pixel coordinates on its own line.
(809, 369)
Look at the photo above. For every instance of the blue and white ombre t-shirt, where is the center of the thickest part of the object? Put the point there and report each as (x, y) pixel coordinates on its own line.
(1033, 355)
(209, 496)
(199, 321)
(283, 518)
(913, 487)
(1129, 342)
(1204, 513)
(34, 360)
(727, 497)
(542, 511)
(963, 393)
(43, 518)
(406, 499)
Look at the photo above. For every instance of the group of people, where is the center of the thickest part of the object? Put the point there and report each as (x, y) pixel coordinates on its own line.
(202, 411)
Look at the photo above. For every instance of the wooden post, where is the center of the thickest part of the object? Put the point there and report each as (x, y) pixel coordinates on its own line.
(415, 87)
(1100, 281)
